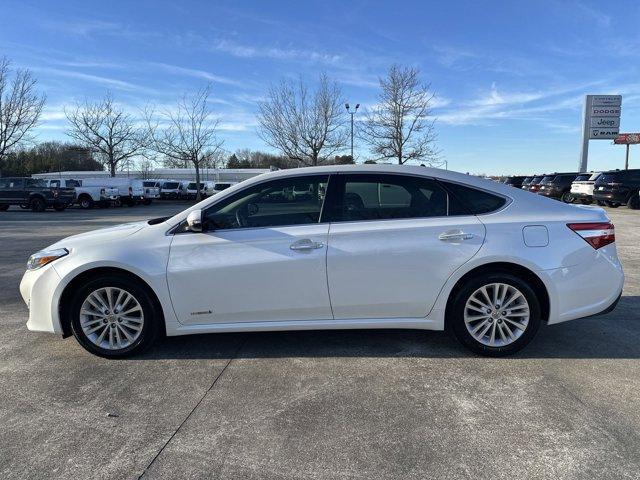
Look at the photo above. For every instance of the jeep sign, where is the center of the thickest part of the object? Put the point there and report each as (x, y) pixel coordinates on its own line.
(601, 122)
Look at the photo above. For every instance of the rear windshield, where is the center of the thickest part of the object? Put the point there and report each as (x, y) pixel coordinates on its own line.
(535, 180)
(512, 179)
(548, 178)
(607, 177)
(526, 180)
(595, 176)
(582, 178)
(171, 185)
(222, 186)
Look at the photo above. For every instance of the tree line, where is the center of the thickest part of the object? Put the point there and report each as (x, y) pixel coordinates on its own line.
(308, 126)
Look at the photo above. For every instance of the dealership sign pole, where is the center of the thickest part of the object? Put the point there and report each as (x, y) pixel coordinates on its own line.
(627, 139)
(601, 121)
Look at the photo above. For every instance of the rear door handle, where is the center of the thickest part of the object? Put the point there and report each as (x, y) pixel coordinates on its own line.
(305, 245)
(455, 235)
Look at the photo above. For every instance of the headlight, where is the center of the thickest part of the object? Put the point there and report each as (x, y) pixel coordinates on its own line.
(40, 259)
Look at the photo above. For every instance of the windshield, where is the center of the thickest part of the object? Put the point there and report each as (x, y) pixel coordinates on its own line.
(171, 185)
(150, 184)
(527, 180)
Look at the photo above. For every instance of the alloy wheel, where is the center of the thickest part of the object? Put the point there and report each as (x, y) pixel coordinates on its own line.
(496, 314)
(111, 318)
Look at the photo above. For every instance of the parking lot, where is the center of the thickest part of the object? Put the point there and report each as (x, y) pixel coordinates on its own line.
(338, 404)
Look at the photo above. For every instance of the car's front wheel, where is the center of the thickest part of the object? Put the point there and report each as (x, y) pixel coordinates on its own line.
(495, 314)
(112, 316)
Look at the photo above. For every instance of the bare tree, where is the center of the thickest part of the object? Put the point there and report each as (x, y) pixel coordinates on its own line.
(399, 126)
(306, 127)
(108, 130)
(20, 107)
(187, 135)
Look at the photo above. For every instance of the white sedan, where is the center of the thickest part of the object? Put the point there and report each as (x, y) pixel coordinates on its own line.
(366, 247)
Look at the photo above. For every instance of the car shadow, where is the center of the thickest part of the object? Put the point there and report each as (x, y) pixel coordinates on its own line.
(612, 336)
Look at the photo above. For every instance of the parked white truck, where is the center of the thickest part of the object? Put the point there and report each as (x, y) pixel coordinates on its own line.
(87, 196)
(130, 189)
(151, 191)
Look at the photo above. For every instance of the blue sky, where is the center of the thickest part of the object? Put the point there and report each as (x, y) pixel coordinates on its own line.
(509, 75)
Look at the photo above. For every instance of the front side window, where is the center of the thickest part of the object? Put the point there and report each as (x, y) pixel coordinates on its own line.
(382, 197)
(270, 204)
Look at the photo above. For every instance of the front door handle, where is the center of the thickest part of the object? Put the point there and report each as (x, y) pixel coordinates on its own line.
(305, 245)
(455, 235)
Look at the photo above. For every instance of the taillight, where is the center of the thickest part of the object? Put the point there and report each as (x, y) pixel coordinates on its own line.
(597, 234)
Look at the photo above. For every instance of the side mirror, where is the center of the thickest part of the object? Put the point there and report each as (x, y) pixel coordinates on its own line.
(194, 221)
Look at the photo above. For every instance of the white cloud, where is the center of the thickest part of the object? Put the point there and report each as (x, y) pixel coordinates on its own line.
(192, 72)
(276, 53)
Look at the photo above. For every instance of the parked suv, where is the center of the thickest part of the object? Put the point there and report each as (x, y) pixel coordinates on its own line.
(525, 183)
(582, 187)
(34, 193)
(220, 186)
(534, 185)
(618, 187)
(515, 181)
(558, 186)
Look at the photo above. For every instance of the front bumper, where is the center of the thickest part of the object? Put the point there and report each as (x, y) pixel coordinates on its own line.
(38, 290)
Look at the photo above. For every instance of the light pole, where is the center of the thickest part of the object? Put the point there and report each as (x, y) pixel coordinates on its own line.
(352, 115)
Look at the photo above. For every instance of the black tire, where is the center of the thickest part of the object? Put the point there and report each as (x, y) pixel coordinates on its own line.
(585, 202)
(567, 197)
(37, 204)
(152, 316)
(4, 208)
(147, 201)
(634, 202)
(600, 203)
(612, 204)
(85, 202)
(456, 322)
(60, 207)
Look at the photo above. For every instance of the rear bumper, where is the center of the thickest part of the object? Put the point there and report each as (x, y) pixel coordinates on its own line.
(609, 196)
(586, 289)
(582, 196)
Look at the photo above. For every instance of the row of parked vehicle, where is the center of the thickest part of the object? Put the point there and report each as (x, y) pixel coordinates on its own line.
(612, 188)
(38, 194)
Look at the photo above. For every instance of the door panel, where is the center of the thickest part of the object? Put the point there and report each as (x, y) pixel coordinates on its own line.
(396, 268)
(250, 275)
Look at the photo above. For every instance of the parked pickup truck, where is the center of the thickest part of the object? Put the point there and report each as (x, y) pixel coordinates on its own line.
(87, 197)
(33, 193)
(131, 191)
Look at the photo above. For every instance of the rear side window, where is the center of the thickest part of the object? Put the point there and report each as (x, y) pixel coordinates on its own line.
(385, 197)
(475, 201)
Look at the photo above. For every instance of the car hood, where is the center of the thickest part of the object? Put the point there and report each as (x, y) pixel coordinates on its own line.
(101, 236)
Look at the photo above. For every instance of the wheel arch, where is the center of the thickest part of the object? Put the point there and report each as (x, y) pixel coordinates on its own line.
(64, 303)
(530, 276)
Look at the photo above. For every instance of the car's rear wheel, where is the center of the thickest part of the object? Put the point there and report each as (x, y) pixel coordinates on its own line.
(612, 204)
(37, 204)
(495, 314)
(567, 197)
(634, 202)
(4, 208)
(86, 202)
(113, 317)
